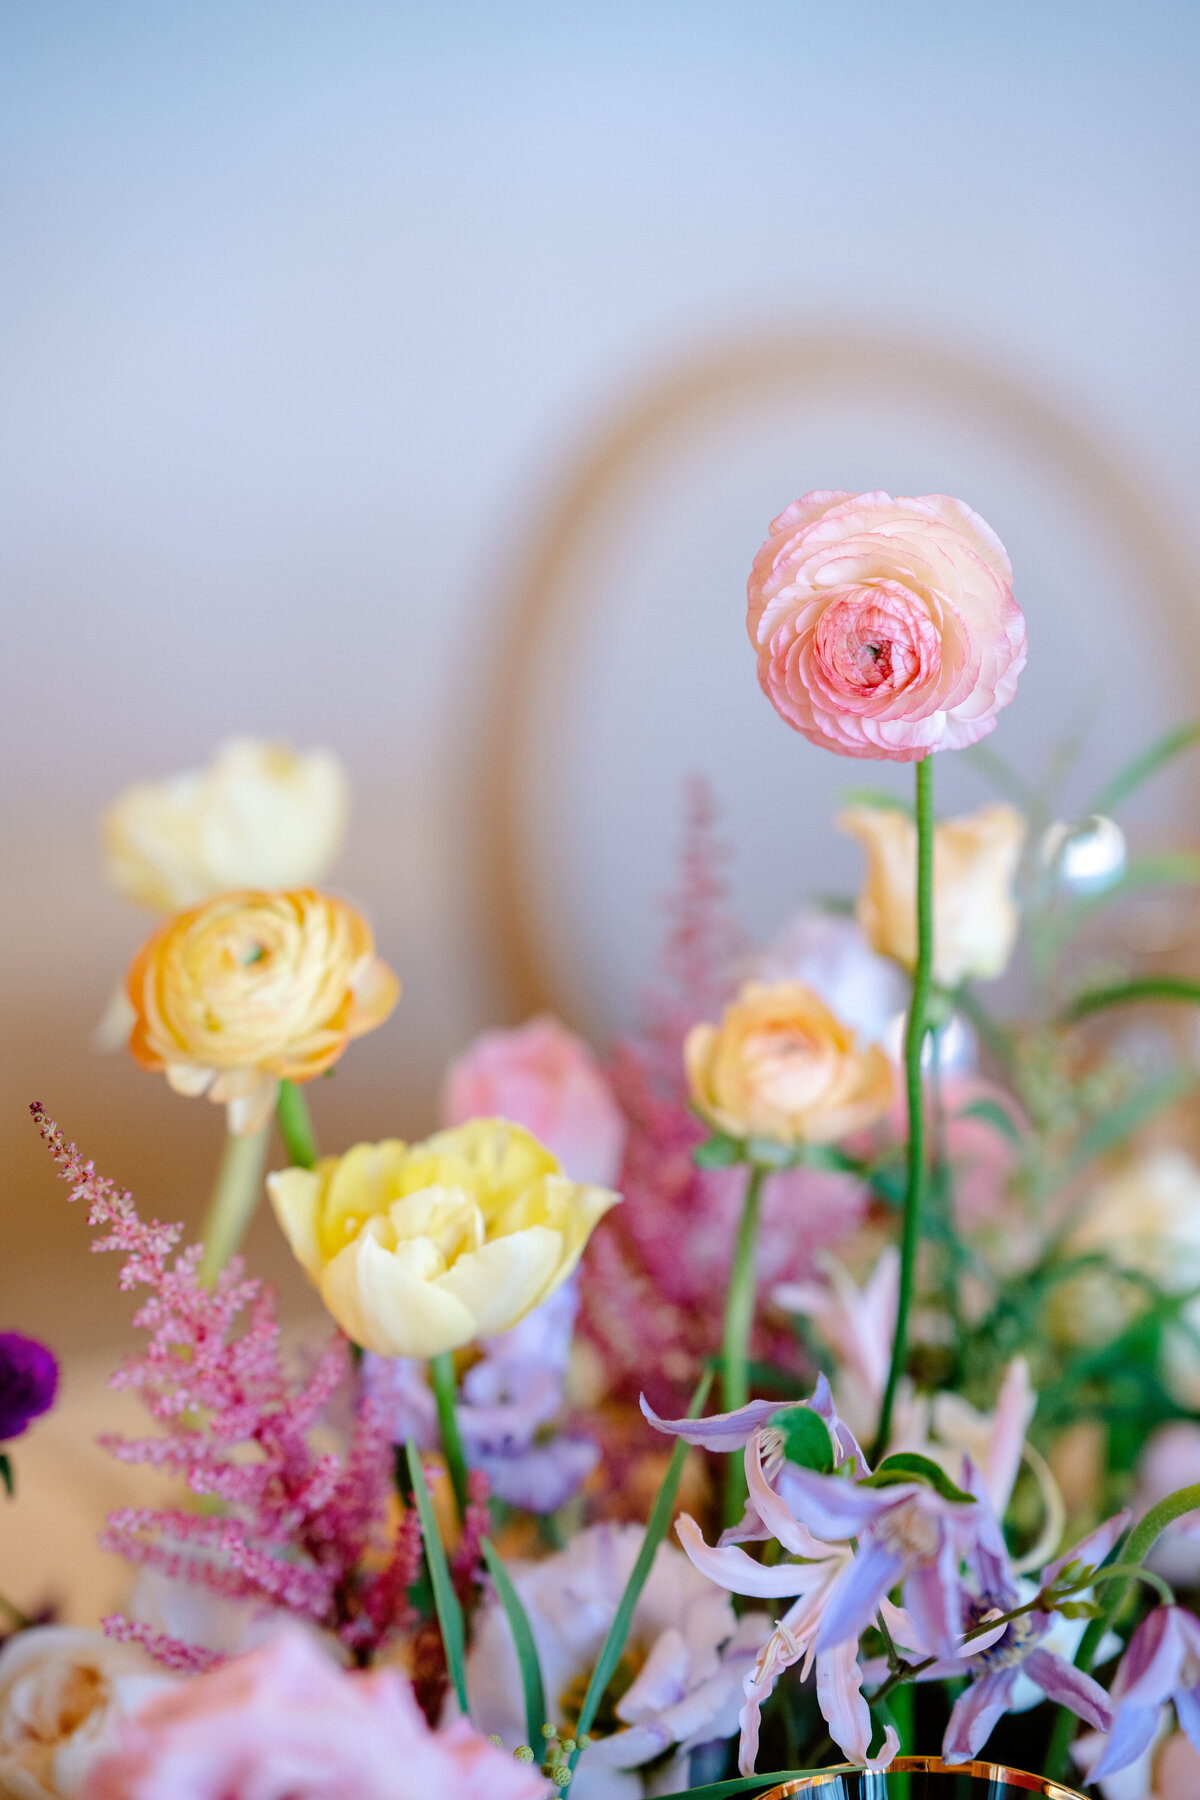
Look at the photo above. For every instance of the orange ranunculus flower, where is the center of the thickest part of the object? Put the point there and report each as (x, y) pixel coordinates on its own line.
(252, 988)
(780, 1065)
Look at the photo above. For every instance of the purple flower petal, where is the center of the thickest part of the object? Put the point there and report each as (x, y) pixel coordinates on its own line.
(1187, 1710)
(720, 1431)
(855, 1597)
(975, 1714)
(1066, 1685)
(839, 1695)
(1093, 1548)
(543, 1477)
(1152, 1665)
(1132, 1732)
(933, 1599)
(833, 1508)
(28, 1382)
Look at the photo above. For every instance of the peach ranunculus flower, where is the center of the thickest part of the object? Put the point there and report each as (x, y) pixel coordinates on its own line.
(251, 988)
(286, 1720)
(780, 1065)
(420, 1248)
(885, 628)
(975, 859)
(63, 1690)
(543, 1077)
(261, 815)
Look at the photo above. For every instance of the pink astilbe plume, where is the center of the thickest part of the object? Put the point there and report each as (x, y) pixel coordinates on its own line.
(654, 1313)
(297, 1528)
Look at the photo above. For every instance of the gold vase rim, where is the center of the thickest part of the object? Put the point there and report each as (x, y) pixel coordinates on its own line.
(931, 1765)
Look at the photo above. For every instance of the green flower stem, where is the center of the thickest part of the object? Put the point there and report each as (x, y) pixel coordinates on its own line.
(913, 1045)
(295, 1127)
(234, 1199)
(1135, 1549)
(444, 1385)
(735, 1338)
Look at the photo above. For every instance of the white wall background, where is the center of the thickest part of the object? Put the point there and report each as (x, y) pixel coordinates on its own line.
(305, 311)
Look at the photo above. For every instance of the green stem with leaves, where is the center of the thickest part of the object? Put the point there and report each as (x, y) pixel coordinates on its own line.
(735, 1338)
(234, 1200)
(913, 1044)
(1133, 1551)
(445, 1386)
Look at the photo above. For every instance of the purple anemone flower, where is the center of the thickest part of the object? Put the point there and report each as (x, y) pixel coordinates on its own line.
(28, 1382)
(1162, 1663)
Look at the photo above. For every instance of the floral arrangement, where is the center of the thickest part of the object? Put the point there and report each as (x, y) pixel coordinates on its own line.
(814, 1380)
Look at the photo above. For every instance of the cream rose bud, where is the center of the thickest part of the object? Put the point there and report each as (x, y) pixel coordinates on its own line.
(781, 1065)
(260, 815)
(418, 1249)
(62, 1692)
(975, 859)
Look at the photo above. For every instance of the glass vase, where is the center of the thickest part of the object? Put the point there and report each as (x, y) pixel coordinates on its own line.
(923, 1778)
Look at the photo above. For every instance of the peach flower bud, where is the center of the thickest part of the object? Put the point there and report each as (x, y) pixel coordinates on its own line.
(251, 988)
(885, 628)
(974, 862)
(259, 816)
(543, 1077)
(780, 1065)
(420, 1248)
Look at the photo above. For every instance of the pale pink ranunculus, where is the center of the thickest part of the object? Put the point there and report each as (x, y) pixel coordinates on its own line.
(885, 628)
(542, 1076)
(286, 1723)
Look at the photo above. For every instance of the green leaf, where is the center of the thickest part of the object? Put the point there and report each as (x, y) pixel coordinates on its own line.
(993, 1114)
(1128, 1116)
(771, 1153)
(1079, 1609)
(6, 1474)
(876, 797)
(445, 1599)
(1143, 766)
(806, 1439)
(718, 1152)
(906, 1465)
(759, 1784)
(1126, 993)
(656, 1530)
(828, 1156)
(527, 1656)
(1003, 776)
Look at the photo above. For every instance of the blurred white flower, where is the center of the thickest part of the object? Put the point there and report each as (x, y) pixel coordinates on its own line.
(828, 953)
(1089, 856)
(62, 1692)
(685, 1659)
(260, 815)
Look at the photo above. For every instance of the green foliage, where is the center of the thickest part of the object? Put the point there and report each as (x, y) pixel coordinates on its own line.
(906, 1465)
(449, 1612)
(522, 1632)
(719, 1152)
(806, 1439)
(1147, 763)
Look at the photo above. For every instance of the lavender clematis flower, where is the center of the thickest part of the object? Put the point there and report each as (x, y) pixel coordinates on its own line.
(1161, 1664)
(506, 1409)
(28, 1382)
(996, 1661)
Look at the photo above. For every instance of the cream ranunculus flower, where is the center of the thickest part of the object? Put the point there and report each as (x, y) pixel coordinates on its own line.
(252, 988)
(62, 1691)
(974, 862)
(261, 815)
(781, 1065)
(420, 1248)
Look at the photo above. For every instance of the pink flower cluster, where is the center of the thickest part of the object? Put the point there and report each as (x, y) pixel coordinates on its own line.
(297, 1524)
(284, 1723)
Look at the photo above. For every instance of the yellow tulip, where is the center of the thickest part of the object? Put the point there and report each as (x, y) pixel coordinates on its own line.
(974, 914)
(420, 1248)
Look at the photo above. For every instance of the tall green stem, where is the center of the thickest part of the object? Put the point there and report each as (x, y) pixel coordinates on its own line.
(295, 1126)
(444, 1385)
(735, 1338)
(1135, 1549)
(913, 1044)
(234, 1199)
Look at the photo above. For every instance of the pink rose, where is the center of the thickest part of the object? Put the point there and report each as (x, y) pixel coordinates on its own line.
(285, 1723)
(543, 1077)
(885, 628)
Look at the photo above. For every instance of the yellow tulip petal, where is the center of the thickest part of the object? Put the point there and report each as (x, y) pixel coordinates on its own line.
(296, 1200)
(501, 1282)
(383, 1307)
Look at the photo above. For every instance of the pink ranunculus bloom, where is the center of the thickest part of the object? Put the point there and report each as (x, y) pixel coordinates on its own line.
(286, 1723)
(885, 628)
(542, 1076)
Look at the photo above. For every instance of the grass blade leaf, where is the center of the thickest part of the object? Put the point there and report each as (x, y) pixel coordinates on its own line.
(445, 1600)
(1148, 763)
(522, 1632)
